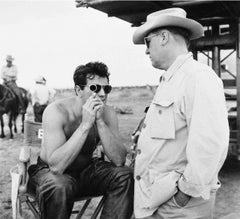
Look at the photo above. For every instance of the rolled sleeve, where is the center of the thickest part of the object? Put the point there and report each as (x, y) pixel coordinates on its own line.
(208, 129)
(16, 72)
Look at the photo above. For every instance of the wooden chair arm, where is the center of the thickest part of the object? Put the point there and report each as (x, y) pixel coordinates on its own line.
(24, 178)
(25, 154)
(24, 158)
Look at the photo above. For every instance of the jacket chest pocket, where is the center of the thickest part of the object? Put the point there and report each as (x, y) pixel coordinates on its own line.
(162, 124)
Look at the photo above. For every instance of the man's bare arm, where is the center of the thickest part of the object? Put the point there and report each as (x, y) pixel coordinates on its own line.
(107, 126)
(60, 151)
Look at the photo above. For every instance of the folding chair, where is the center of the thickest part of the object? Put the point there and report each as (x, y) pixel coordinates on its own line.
(21, 193)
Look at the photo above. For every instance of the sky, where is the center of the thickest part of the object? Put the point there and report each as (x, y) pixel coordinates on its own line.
(51, 38)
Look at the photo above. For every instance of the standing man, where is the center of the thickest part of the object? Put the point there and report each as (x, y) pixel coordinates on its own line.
(9, 75)
(41, 96)
(184, 139)
(72, 130)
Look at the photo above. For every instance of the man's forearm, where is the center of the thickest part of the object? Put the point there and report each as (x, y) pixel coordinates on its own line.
(112, 145)
(61, 158)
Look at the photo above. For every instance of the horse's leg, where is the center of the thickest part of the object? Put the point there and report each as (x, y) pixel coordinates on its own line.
(27, 98)
(23, 118)
(2, 127)
(10, 124)
(15, 123)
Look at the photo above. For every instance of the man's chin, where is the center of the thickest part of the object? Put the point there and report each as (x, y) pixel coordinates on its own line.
(155, 65)
(104, 101)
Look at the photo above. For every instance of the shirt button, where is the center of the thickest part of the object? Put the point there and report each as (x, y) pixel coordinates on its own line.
(138, 177)
(138, 151)
(160, 111)
(144, 125)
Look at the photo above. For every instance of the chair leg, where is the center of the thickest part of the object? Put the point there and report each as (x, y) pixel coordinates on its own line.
(80, 214)
(20, 207)
(33, 209)
(98, 208)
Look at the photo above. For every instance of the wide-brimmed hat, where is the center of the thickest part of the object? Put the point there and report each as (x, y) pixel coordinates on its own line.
(9, 58)
(175, 17)
(40, 79)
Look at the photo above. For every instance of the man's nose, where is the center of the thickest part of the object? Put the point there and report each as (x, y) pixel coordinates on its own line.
(101, 92)
(147, 51)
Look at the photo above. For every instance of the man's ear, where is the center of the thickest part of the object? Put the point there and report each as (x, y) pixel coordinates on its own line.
(165, 37)
(77, 90)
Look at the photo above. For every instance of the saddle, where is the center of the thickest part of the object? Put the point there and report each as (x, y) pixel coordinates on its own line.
(10, 85)
(7, 94)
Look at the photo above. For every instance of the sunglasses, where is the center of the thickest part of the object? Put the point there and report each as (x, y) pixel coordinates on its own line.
(147, 40)
(97, 87)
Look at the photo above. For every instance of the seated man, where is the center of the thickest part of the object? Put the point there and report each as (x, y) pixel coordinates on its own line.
(72, 129)
(9, 75)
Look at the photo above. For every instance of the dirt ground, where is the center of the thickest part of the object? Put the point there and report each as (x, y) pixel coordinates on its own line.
(133, 100)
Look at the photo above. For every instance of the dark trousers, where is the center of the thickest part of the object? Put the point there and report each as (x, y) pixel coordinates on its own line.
(56, 192)
(38, 111)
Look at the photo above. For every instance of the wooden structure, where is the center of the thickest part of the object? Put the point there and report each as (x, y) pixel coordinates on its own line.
(221, 20)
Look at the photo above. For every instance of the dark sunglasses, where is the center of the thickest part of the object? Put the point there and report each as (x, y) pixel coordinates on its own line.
(97, 87)
(147, 40)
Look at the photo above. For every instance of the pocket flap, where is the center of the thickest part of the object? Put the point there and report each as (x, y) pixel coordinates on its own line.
(163, 103)
(162, 123)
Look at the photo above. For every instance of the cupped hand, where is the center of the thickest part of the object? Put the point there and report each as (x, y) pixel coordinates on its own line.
(90, 110)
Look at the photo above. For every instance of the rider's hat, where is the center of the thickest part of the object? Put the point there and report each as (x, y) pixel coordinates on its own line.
(40, 79)
(9, 58)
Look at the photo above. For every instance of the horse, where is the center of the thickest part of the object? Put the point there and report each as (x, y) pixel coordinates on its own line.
(9, 105)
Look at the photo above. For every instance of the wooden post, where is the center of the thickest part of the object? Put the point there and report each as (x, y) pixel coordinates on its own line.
(216, 52)
(195, 54)
(216, 60)
(238, 88)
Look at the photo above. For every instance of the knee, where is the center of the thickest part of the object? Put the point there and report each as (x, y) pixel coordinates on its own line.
(123, 176)
(58, 186)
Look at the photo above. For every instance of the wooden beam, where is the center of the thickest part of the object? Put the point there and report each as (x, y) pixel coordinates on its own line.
(222, 41)
(238, 87)
(229, 83)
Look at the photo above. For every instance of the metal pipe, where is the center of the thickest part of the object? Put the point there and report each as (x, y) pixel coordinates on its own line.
(227, 56)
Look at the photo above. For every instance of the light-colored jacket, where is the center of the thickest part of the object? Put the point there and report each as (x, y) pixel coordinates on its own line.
(41, 94)
(184, 140)
(9, 73)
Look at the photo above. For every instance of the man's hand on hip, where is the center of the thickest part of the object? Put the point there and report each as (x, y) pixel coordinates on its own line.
(181, 198)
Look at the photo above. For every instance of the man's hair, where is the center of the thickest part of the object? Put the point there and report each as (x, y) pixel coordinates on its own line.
(89, 71)
(177, 31)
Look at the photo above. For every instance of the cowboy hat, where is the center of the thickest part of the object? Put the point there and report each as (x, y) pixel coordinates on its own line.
(40, 79)
(168, 17)
(9, 58)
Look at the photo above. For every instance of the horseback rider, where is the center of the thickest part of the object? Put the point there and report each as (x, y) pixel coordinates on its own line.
(9, 75)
